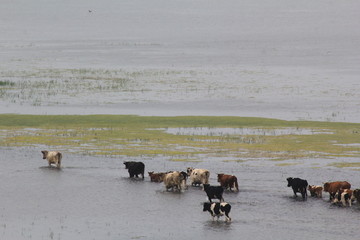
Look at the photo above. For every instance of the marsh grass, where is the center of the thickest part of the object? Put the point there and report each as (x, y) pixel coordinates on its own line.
(6, 83)
(126, 135)
(345, 164)
(55, 86)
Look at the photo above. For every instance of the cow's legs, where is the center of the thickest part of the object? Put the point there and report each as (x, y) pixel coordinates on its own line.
(227, 217)
(332, 196)
(303, 193)
(294, 192)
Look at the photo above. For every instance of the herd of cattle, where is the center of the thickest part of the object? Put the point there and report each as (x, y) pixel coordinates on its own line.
(340, 192)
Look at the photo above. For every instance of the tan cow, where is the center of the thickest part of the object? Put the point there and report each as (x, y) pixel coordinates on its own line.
(52, 157)
(156, 177)
(175, 181)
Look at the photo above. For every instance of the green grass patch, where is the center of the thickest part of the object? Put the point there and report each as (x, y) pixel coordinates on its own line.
(6, 83)
(345, 164)
(128, 135)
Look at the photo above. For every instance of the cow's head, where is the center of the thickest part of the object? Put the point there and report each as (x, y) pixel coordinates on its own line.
(220, 175)
(126, 165)
(183, 175)
(207, 206)
(326, 186)
(206, 186)
(356, 192)
(189, 170)
(45, 153)
(289, 181)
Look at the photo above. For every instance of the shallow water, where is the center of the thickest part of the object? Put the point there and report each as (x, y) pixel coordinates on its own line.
(285, 60)
(93, 198)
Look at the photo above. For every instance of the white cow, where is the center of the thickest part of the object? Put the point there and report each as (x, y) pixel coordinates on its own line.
(198, 176)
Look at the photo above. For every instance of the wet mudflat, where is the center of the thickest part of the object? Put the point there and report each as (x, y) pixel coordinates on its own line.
(93, 198)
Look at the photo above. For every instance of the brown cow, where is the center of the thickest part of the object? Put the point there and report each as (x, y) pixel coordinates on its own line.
(315, 191)
(333, 187)
(356, 195)
(228, 181)
(156, 177)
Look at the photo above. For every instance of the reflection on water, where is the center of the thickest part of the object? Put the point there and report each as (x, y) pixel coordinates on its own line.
(218, 226)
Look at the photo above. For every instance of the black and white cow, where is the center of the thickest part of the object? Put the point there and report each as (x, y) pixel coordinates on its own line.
(135, 168)
(298, 185)
(214, 192)
(218, 210)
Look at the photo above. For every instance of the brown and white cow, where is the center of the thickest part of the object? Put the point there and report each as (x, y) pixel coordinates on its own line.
(333, 187)
(344, 196)
(175, 181)
(315, 191)
(198, 176)
(53, 157)
(228, 181)
(156, 177)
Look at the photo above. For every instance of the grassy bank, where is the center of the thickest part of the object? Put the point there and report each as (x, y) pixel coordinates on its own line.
(182, 138)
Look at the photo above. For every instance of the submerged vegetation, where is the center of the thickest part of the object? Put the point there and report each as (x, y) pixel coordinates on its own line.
(127, 135)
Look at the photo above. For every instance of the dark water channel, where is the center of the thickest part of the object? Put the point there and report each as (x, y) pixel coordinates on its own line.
(93, 198)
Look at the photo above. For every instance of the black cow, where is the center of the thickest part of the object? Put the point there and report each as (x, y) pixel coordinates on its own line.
(214, 192)
(218, 210)
(298, 185)
(135, 168)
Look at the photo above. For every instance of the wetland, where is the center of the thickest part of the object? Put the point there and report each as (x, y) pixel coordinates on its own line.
(262, 90)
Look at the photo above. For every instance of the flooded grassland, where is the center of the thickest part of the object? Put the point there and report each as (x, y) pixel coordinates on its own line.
(184, 138)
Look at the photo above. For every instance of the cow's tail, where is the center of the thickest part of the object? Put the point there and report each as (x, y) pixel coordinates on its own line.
(59, 156)
(236, 185)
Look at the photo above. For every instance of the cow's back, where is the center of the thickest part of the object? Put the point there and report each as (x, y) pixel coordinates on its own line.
(172, 179)
(333, 187)
(199, 176)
